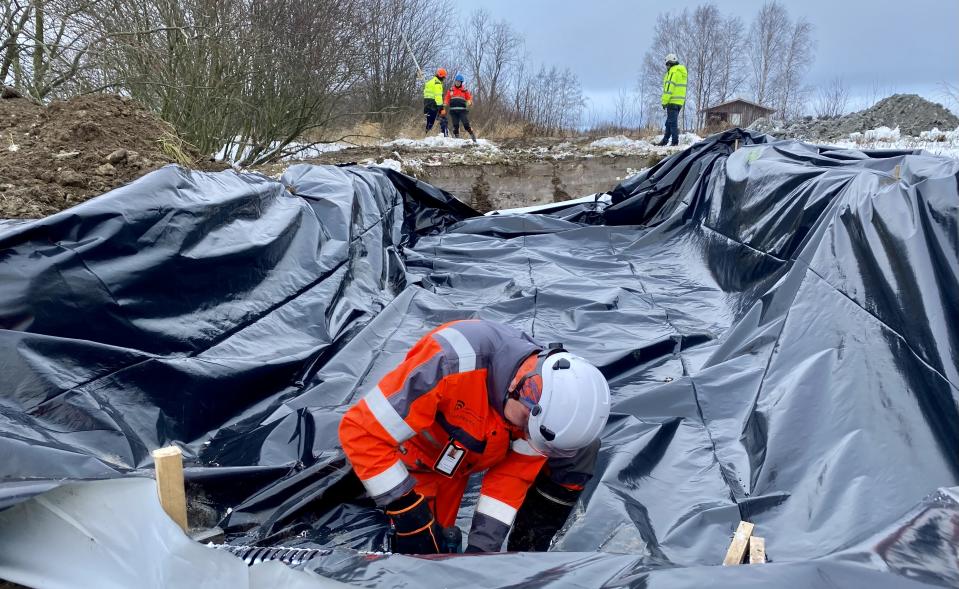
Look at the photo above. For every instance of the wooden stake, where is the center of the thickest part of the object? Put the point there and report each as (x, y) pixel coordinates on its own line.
(169, 474)
(739, 544)
(757, 550)
(737, 145)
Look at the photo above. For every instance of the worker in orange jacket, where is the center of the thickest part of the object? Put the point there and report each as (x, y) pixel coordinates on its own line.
(475, 396)
(458, 101)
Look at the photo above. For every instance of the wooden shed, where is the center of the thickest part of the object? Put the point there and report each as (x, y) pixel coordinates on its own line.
(735, 113)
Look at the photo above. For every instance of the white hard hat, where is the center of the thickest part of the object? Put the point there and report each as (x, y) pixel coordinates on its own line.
(671, 58)
(572, 409)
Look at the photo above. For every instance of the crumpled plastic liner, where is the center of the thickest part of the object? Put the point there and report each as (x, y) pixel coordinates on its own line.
(115, 534)
(777, 323)
(919, 551)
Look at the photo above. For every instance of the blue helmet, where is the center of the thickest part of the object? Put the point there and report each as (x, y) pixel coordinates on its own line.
(459, 78)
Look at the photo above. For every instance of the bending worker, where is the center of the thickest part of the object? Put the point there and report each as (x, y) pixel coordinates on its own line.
(674, 97)
(433, 102)
(475, 396)
(458, 101)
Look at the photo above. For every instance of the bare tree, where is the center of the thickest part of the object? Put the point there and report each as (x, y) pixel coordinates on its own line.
(709, 45)
(558, 110)
(504, 50)
(45, 45)
(489, 50)
(666, 39)
(833, 99)
(796, 59)
(729, 60)
(626, 110)
(768, 34)
(389, 81)
(188, 60)
(950, 92)
(720, 58)
(15, 16)
(474, 37)
(220, 74)
(297, 80)
(702, 43)
(780, 52)
(624, 117)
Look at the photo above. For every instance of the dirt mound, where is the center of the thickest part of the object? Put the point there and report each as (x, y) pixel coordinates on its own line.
(912, 114)
(57, 156)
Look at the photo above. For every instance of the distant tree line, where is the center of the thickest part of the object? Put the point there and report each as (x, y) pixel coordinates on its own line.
(257, 76)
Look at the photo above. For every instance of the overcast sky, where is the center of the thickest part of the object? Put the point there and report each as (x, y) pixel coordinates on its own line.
(878, 46)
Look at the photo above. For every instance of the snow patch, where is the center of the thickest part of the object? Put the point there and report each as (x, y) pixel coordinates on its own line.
(438, 141)
(934, 141)
(884, 134)
(313, 151)
(621, 142)
(238, 151)
(391, 164)
(933, 134)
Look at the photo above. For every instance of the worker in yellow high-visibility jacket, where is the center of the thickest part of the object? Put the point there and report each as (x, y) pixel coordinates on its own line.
(674, 97)
(433, 106)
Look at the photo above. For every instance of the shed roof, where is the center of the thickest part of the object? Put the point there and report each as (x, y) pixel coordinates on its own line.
(744, 101)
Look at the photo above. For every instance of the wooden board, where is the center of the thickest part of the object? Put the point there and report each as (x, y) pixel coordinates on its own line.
(757, 550)
(169, 474)
(739, 544)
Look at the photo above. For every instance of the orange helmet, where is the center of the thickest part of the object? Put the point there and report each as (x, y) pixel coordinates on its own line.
(441, 73)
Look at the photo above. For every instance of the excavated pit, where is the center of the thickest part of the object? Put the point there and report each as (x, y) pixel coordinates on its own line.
(494, 186)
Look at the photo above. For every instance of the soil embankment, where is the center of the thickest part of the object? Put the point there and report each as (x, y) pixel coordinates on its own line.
(53, 157)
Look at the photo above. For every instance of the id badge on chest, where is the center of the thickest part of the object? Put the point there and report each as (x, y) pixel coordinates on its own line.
(450, 459)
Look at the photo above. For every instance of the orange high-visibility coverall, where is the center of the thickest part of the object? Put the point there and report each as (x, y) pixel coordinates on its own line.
(452, 386)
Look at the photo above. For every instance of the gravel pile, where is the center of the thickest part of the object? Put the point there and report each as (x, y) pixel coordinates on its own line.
(912, 115)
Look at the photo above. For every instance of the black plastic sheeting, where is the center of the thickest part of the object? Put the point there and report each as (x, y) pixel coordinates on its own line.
(777, 322)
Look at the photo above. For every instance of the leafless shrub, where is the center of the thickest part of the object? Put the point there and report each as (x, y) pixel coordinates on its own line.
(950, 92)
(45, 45)
(389, 85)
(490, 51)
(780, 51)
(832, 100)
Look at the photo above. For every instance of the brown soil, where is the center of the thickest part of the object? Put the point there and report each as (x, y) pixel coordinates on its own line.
(55, 157)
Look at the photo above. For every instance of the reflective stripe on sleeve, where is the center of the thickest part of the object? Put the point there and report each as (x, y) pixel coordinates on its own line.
(387, 416)
(387, 480)
(496, 509)
(523, 447)
(464, 351)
